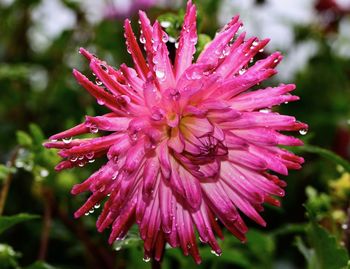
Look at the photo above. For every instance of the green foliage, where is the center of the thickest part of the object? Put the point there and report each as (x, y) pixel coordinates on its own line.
(7, 222)
(8, 257)
(40, 265)
(324, 252)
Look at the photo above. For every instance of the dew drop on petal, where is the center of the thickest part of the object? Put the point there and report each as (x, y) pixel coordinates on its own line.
(100, 102)
(261, 50)
(87, 214)
(90, 155)
(215, 253)
(117, 248)
(67, 140)
(255, 43)
(242, 71)
(91, 211)
(146, 258)
(104, 68)
(81, 157)
(303, 131)
(81, 164)
(93, 129)
(98, 82)
(73, 159)
(176, 45)
(53, 140)
(97, 206)
(265, 110)
(142, 39)
(165, 38)
(91, 161)
(160, 74)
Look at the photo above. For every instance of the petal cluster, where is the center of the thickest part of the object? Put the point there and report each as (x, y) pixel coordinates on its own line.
(190, 146)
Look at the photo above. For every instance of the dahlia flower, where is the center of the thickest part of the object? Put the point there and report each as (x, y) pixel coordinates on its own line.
(192, 147)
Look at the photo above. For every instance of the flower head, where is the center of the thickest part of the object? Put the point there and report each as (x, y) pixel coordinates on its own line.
(191, 145)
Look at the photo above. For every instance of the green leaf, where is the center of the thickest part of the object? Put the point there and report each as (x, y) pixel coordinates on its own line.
(8, 221)
(8, 257)
(37, 134)
(328, 155)
(40, 265)
(325, 251)
(24, 139)
(328, 254)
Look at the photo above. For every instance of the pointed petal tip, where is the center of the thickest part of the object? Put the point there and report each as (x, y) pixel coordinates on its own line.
(86, 53)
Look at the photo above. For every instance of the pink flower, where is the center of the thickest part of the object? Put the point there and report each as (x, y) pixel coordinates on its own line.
(191, 145)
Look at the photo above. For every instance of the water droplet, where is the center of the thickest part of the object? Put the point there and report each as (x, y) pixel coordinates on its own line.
(176, 45)
(142, 39)
(286, 103)
(93, 129)
(242, 71)
(128, 49)
(165, 24)
(226, 51)
(115, 175)
(165, 38)
(251, 60)
(160, 74)
(87, 214)
(91, 210)
(104, 68)
(117, 248)
(133, 136)
(90, 155)
(102, 188)
(194, 39)
(81, 164)
(303, 131)
(146, 258)
(261, 50)
(73, 159)
(215, 253)
(201, 239)
(97, 206)
(157, 114)
(67, 140)
(91, 161)
(53, 140)
(81, 157)
(100, 102)
(275, 61)
(255, 43)
(98, 82)
(265, 110)
(44, 173)
(123, 100)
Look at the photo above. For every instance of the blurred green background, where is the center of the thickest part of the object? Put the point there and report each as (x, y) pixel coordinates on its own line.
(39, 41)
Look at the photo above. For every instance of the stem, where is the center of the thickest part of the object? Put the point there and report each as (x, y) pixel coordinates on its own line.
(7, 182)
(44, 241)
